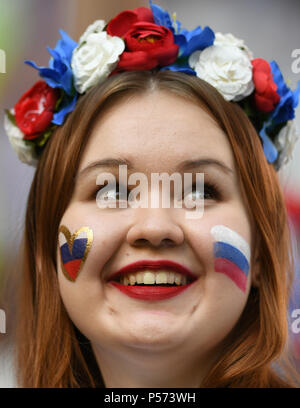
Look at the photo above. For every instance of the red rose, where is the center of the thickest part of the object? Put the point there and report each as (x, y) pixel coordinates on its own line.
(122, 23)
(265, 96)
(147, 44)
(34, 111)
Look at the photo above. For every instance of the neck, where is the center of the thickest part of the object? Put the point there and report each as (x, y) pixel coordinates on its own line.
(144, 368)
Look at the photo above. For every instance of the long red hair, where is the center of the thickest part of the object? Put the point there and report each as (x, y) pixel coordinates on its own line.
(51, 352)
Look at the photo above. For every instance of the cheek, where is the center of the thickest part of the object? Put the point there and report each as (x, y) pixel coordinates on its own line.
(82, 295)
(223, 254)
(86, 242)
(223, 290)
(231, 255)
(75, 245)
(74, 248)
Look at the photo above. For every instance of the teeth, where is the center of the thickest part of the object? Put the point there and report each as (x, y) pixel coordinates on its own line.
(161, 277)
(139, 277)
(170, 277)
(177, 279)
(132, 279)
(150, 278)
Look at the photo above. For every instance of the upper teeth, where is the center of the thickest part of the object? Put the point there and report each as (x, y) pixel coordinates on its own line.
(150, 278)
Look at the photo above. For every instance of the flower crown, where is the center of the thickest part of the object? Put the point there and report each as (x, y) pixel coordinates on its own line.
(143, 39)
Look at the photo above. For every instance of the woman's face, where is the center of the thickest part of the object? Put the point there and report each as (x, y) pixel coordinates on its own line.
(156, 133)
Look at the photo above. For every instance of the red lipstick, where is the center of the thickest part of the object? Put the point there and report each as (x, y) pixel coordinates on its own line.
(157, 292)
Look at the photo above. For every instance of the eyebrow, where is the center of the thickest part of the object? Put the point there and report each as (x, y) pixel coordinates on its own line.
(189, 164)
(185, 165)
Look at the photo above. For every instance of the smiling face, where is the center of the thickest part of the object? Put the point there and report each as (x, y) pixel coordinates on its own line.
(157, 132)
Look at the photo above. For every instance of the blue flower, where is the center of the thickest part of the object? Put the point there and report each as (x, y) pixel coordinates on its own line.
(269, 148)
(184, 67)
(285, 109)
(197, 39)
(66, 106)
(59, 75)
(188, 41)
(161, 16)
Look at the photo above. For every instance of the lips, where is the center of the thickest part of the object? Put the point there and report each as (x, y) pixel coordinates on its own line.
(154, 292)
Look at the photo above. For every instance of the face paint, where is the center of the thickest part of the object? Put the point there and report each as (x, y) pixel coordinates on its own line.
(74, 250)
(232, 255)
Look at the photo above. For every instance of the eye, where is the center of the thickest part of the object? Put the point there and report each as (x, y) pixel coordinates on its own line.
(111, 194)
(211, 192)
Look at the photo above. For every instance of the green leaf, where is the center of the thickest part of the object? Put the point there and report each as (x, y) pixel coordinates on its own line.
(45, 136)
(11, 117)
(28, 143)
(73, 92)
(80, 45)
(273, 130)
(59, 100)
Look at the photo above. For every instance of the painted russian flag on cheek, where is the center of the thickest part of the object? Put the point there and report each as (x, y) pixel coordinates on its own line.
(232, 255)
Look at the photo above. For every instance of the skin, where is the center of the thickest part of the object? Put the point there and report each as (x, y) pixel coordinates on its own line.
(172, 342)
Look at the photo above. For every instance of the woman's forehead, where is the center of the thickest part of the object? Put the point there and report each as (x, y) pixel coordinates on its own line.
(154, 126)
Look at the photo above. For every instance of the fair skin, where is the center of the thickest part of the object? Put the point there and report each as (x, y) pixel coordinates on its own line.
(173, 342)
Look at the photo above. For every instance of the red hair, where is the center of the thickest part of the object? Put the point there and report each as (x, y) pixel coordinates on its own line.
(51, 352)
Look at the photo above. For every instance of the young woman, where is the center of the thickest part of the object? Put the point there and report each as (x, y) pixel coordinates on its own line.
(132, 296)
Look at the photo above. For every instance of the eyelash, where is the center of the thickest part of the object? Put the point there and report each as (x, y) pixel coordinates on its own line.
(211, 187)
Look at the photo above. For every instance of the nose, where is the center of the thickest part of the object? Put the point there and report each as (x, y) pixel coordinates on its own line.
(155, 227)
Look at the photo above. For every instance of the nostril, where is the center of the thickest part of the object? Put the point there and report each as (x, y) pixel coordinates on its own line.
(140, 242)
(164, 243)
(167, 243)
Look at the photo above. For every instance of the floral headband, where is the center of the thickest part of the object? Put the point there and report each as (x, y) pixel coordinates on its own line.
(143, 39)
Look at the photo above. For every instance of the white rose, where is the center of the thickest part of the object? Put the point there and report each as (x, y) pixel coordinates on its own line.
(96, 27)
(95, 59)
(25, 150)
(230, 39)
(285, 142)
(225, 67)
